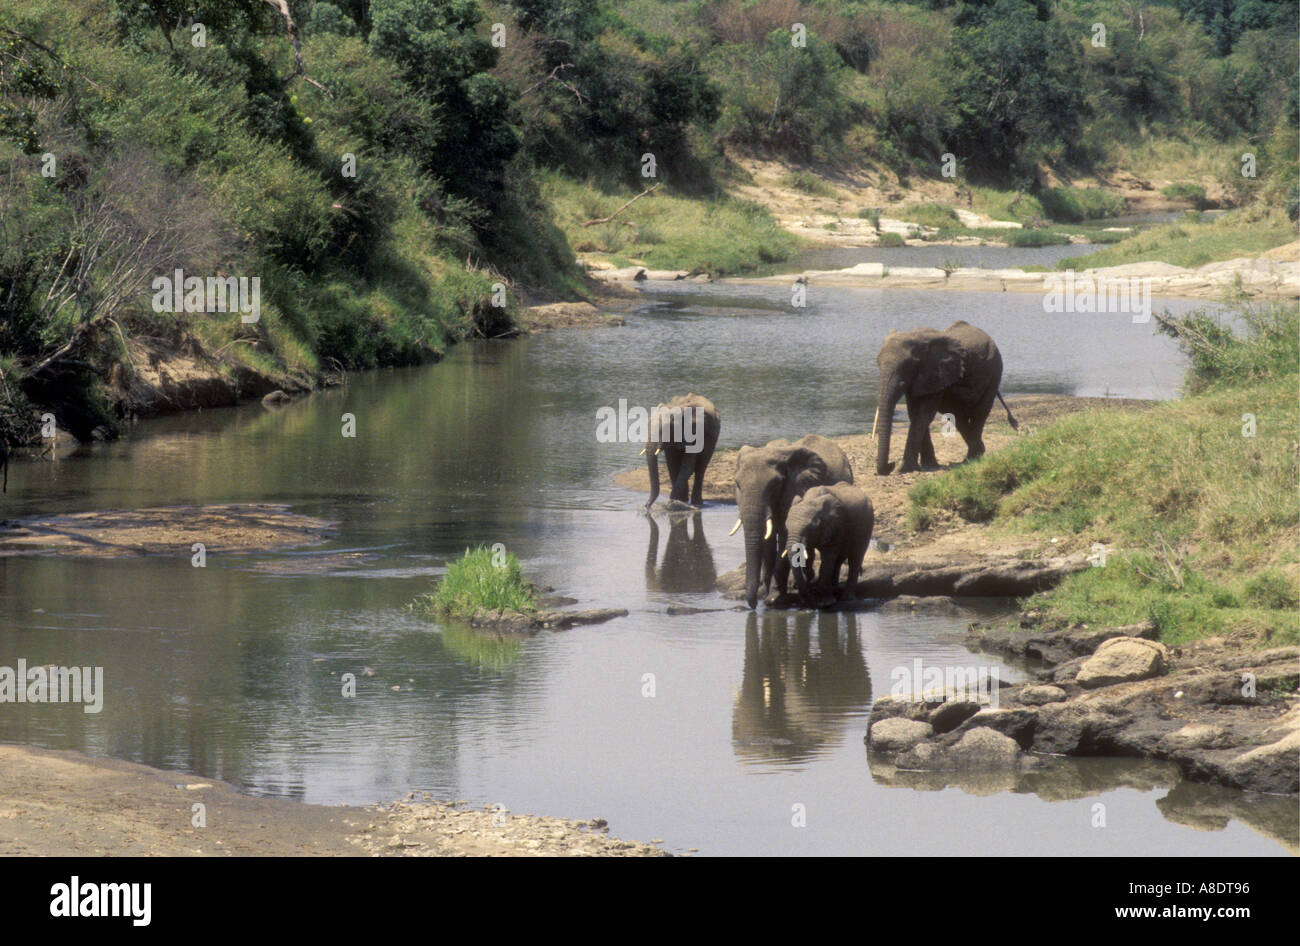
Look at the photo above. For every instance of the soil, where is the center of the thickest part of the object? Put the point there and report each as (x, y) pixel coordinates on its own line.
(232, 527)
(68, 804)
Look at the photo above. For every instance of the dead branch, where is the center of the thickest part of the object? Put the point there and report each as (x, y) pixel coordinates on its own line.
(553, 76)
(592, 223)
(299, 68)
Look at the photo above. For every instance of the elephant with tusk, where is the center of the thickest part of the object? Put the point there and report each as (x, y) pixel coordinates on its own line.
(835, 523)
(768, 479)
(685, 431)
(956, 372)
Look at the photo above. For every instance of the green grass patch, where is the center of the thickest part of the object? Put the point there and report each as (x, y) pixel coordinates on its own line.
(1195, 500)
(890, 239)
(1076, 204)
(809, 183)
(668, 231)
(1036, 238)
(481, 579)
(931, 215)
(1186, 243)
(1194, 193)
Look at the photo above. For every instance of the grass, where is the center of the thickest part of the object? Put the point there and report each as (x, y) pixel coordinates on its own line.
(890, 239)
(665, 231)
(931, 215)
(1036, 238)
(1201, 520)
(808, 183)
(1194, 193)
(1076, 204)
(1186, 243)
(481, 579)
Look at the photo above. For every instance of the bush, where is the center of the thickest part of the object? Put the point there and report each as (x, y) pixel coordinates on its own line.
(481, 579)
(1193, 193)
(890, 239)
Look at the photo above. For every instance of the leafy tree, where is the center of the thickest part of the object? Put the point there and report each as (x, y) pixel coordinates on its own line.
(1016, 82)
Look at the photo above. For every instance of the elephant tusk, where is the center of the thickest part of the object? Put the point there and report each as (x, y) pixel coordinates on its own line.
(768, 533)
(642, 453)
(875, 420)
(785, 552)
(734, 528)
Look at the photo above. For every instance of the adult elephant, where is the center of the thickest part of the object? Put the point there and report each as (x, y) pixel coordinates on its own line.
(956, 372)
(833, 523)
(768, 479)
(686, 431)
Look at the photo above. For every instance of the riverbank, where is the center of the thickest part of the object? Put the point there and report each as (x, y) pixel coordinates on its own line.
(66, 804)
(1273, 276)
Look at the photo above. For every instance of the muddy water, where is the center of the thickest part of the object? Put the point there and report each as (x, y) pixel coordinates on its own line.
(234, 670)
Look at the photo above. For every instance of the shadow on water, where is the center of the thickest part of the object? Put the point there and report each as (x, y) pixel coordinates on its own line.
(687, 564)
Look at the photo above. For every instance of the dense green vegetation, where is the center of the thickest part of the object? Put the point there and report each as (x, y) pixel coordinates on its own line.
(481, 579)
(1203, 533)
(380, 165)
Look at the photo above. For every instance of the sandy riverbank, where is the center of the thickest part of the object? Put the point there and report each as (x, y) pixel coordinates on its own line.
(69, 804)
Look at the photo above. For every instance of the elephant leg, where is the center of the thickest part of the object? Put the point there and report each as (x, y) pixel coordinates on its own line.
(673, 457)
(855, 571)
(972, 431)
(919, 418)
(927, 450)
(701, 464)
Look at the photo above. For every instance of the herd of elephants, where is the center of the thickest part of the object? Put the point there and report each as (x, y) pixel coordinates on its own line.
(798, 497)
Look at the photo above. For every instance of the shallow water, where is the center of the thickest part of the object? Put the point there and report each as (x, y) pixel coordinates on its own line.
(233, 670)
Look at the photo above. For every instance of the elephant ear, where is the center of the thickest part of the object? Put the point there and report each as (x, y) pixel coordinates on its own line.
(940, 369)
(804, 470)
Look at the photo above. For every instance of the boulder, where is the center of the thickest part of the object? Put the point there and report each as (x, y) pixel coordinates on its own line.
(948, 716)
(1123, 659)
(1038, 695)
(1273, 768)
(897, 735)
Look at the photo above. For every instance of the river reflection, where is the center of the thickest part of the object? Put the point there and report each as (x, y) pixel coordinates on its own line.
(687, 565)
(804, 671)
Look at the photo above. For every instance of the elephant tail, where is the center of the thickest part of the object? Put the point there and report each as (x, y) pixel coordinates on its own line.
(1015, 425)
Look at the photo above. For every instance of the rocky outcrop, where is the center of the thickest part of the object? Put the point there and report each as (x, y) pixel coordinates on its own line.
(508, 621)
(945, 578)
(1220, 713)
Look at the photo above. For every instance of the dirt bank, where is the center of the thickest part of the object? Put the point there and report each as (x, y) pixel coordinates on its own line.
(68, 804)
(827, 214)
(173, 530)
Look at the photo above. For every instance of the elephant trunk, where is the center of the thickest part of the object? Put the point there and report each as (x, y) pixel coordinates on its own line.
(652, 467)
(754, 520)
(890, 392)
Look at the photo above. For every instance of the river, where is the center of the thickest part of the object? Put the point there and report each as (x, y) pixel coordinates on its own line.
(233, 671)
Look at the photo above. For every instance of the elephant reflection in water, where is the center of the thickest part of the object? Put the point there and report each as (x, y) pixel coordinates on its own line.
(794, 695)
(687, 566)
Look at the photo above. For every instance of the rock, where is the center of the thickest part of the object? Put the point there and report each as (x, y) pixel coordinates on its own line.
(932, 604)
(1192, 736)
(1123, 659)
(1017, 724)
(562, 620)
(1272, 768)
(897, 735)
(1052, 647)
(1038, 695)
(275, 397)
(952, 714)
(984, 748)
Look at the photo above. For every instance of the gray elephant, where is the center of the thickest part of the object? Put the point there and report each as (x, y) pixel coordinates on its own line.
(686, 431)
(956, 372)
(833, 523)
(767, 481)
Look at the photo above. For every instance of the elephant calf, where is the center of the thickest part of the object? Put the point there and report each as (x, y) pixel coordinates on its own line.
(834, 522)
(686, 430)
